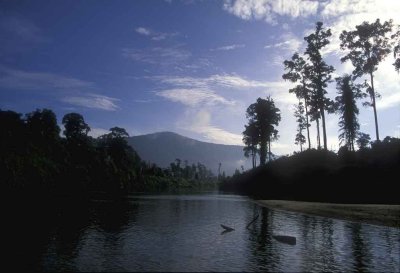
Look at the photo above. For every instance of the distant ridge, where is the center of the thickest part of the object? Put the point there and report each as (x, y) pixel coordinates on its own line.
(162, 148)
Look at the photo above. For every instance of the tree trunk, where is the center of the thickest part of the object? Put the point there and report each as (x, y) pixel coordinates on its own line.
(324, 128)
(318, 134)
(269, 151)
(374, 106)
(263, 152)
(308, 130)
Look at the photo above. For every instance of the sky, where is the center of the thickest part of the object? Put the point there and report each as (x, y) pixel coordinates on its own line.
(190, 67)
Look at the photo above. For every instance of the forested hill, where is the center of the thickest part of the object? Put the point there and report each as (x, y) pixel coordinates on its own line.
(164, 147)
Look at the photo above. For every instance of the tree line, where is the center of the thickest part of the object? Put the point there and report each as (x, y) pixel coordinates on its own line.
(34, 157)
(365, 47)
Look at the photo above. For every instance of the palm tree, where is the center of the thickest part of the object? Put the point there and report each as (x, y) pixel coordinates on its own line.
(368, 45)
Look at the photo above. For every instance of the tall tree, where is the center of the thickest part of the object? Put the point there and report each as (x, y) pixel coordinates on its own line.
(363, 140)
(396, 48)
(265, 116)
(301, 125)
(251, 140)
(348, 110)
(75, 126)
(368, 45)
(299, 71)
(320, 72)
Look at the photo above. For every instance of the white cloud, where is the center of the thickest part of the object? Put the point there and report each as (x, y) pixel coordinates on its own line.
(268, 10)
(144, 31)
(158, 55)
(156, 36)
(96, 132)
(224, 80)
(201, 124)
(93, 101)
(19, 79)
(194, 97)
(290, 43)
(228, 47)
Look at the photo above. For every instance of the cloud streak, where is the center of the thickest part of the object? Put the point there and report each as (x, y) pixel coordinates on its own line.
(155, 36)
(94, 101)
(228, 47)
(158, 55)
(194, 97)
(26, 80)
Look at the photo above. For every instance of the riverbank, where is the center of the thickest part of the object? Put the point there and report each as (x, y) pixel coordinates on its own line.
(385, 215)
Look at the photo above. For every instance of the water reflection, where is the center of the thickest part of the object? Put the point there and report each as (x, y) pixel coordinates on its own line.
(183, 233)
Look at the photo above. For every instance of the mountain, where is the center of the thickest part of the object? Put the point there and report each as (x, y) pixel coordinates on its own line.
(164, 147)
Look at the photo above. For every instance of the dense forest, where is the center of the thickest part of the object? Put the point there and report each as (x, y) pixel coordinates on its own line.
(36, 159)
(366, 175)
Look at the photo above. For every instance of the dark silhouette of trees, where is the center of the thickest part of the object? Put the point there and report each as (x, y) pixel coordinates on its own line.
(302, 124)
(348, 110)
(368, 45)
(36, 161)
(320, 73)
(75, 126)
(299, 71)
(265, 116)
(396, 48)
(363, 140)
(251, 140)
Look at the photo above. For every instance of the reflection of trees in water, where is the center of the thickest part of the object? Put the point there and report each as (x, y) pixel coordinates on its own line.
(318, 245)
(264, 254)
(111, 219)
(75, 226)
(26, 232)
(359, 249)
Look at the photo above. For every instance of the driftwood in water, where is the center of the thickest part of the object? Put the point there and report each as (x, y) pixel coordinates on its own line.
(252, 221)
(227, 228)
(285, 239)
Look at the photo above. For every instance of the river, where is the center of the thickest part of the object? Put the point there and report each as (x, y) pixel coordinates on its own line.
(183, 233)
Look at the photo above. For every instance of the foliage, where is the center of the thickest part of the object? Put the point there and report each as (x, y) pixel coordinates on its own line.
(320, 74)
(348, 110)
(35, 159)
(302, 124)
(368, 45)
(299, 71)
(264, 116)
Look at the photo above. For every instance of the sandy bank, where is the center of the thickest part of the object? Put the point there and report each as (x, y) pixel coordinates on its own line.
(386, 215)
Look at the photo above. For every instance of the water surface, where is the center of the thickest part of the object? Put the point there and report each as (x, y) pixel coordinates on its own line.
(183, 233)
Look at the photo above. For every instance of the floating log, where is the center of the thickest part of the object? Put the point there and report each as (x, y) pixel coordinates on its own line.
(227, 228)
(285, 239)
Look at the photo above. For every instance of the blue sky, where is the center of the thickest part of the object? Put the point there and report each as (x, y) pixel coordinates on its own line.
(192, 67)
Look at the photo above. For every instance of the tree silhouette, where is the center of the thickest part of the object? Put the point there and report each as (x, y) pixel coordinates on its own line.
(264, 115)
(396, 48)
(368, 45)
(251, 140)
(347, 107)
(363, 140)
(302, 124)
(75, 126)
(299, 71)
(320, 73)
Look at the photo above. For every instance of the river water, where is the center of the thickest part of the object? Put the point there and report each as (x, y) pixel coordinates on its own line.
(183, 233)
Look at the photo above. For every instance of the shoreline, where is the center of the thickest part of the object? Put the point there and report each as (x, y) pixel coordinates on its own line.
(376, 214)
